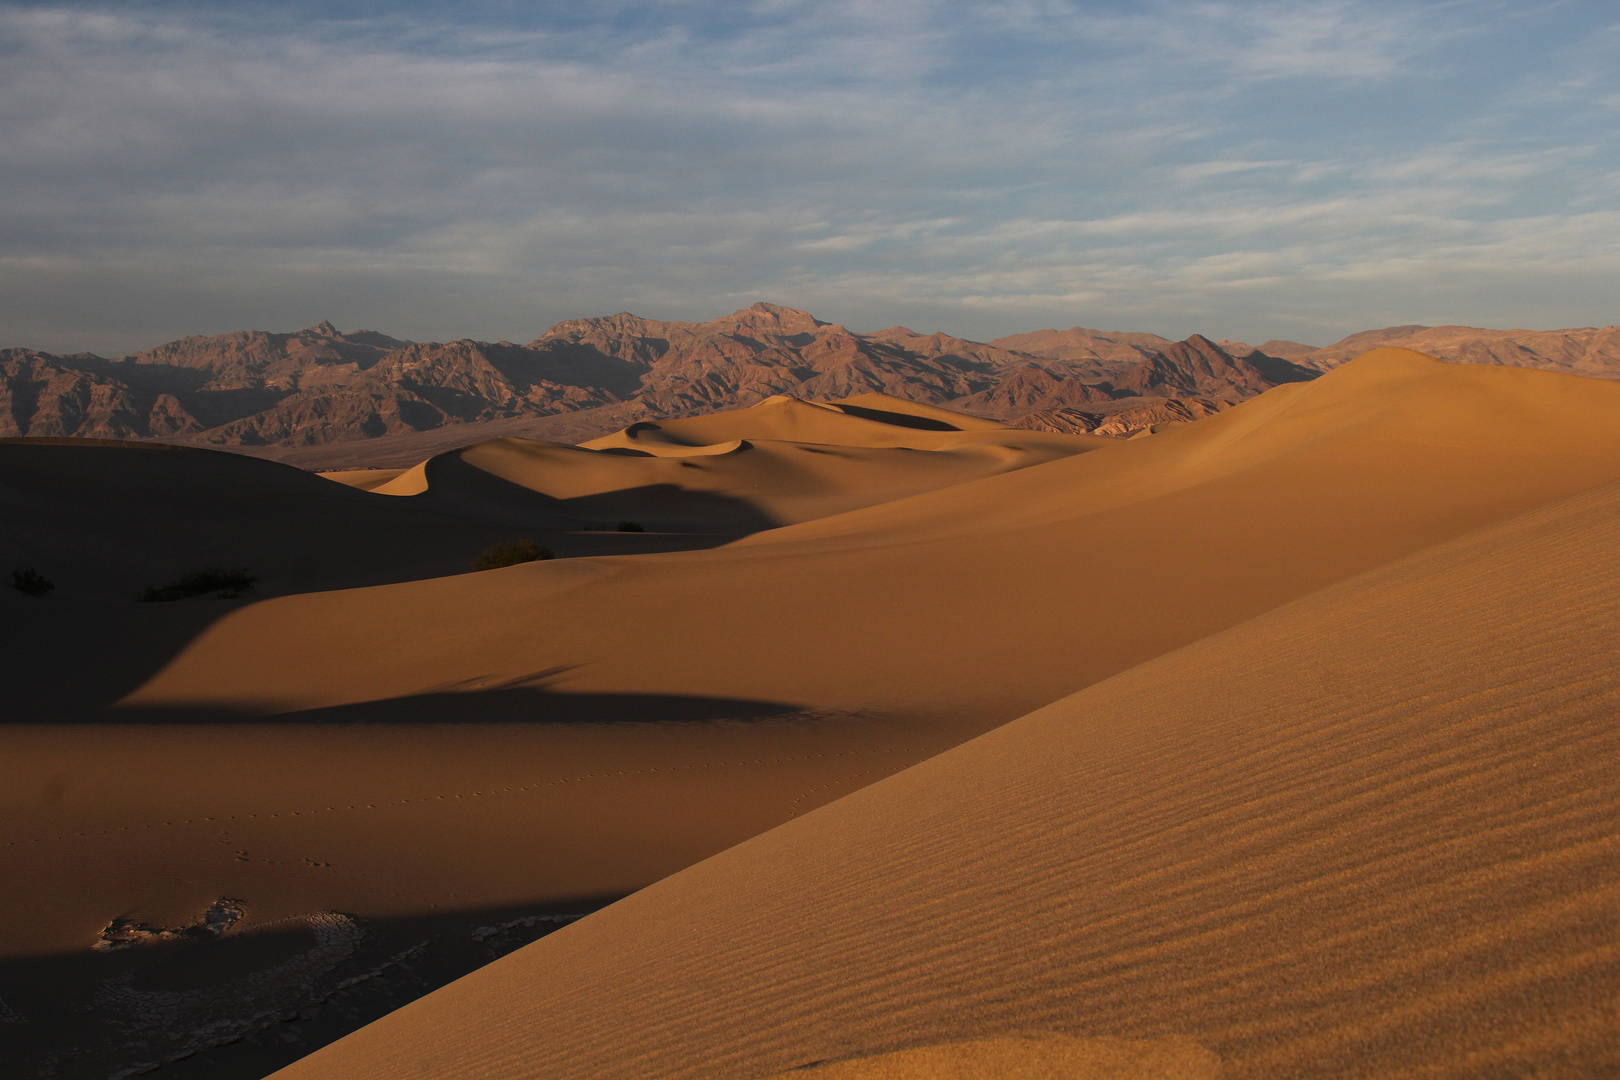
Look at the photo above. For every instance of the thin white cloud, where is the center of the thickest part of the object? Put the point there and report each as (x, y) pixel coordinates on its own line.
(1205, 170)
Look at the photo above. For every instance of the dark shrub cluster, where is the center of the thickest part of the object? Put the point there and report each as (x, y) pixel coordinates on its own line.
(510, 554)
(31, 582)
(225, 584)
(632, 526)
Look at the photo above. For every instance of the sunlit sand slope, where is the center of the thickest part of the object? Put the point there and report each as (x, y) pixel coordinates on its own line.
(1371, 833)
(1387, 434)
(975, 603)
(1028, 1056)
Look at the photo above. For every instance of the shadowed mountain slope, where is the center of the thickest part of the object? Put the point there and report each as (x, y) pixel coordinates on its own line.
(46, 396)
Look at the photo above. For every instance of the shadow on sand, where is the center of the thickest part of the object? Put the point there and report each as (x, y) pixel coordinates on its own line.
(896, 419)
(248, 1003)
(105, 522)
(74, 663)
(498, 705)
(458, 489)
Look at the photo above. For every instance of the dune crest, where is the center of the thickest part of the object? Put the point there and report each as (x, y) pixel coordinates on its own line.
(871, 420)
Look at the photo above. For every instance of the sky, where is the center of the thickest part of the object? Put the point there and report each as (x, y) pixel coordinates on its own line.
(1249, 170)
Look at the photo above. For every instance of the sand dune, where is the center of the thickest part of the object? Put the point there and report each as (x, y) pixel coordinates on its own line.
(1371, 833)
(780, 462)
(772, 482)
(863, 420)
(403, 821)
(1462, 435)
(105, 521)
(228, 774)
(978, 602)
(364, 479)
(544, 737)
(846, 647)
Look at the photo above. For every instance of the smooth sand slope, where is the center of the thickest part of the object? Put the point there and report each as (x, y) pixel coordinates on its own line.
(1372, 833)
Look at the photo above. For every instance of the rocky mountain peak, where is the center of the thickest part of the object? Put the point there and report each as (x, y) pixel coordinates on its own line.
(772, 318)
(320, 385)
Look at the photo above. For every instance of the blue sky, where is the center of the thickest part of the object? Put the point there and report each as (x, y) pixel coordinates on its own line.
(1252, 170)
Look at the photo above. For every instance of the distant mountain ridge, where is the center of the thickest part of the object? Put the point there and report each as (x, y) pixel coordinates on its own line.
(1588, 350)
(320, 386)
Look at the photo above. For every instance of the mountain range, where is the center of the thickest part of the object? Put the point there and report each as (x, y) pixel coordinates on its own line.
(585, 377)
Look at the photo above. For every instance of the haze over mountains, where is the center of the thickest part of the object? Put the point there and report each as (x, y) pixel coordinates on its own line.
(586, 377)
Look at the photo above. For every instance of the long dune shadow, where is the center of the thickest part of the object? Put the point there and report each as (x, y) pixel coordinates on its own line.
(504, 705)
(71, 664)
(68, 662)
(240, 1006)
(458, 489)
(897, 419)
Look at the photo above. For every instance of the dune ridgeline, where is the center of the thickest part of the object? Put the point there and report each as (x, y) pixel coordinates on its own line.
(849, 738)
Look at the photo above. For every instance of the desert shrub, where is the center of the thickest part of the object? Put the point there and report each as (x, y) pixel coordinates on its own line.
(225, 584)
(510, 554)
(31, 582)
(632, 526)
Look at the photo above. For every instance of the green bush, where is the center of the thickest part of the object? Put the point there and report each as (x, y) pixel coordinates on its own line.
(632, 526)
(225, 584)
(510, 554)
(31, 582)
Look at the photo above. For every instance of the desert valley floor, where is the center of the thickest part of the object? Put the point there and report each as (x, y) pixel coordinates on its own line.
(881, 741)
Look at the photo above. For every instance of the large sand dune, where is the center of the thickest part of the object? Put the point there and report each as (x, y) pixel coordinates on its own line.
(1371, 833)
(481, 747)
